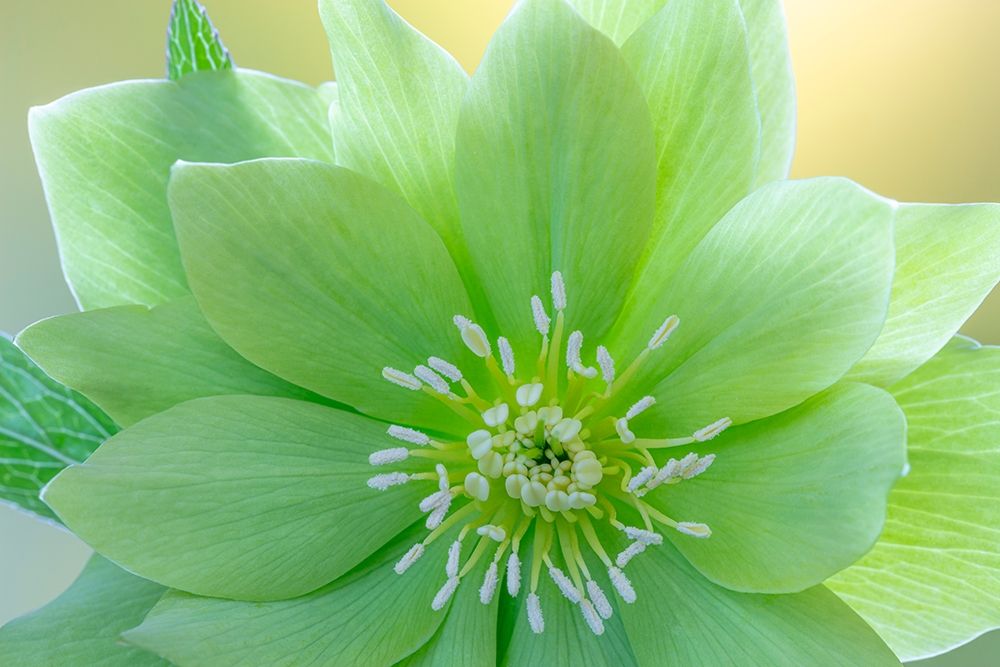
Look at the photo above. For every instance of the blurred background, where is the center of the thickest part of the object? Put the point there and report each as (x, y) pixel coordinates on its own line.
(903, 97)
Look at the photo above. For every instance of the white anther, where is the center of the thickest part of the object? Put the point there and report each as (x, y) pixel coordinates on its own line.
(698, 467)
(386, 456)
(443, 595)
(489, 586)
(477, 486)
(496, 415)
(606, 363)
(641, 478)
(409, 558)
(385, 480)
(624, 433)
(591, 617)
(640, 406)
(401, 379)
(533, 494)
(588, 472)
(621, 584)
(442, 474)
(669, 470)
(506, 356)
(644, 536)
(687, 462)
(473, 336)
(408, 435)
(495, 533)
(491, 465)
(434, 500)
(573, 346)
(480, 443)
(514, 484)
(454, 558)
(432, 379)
(535, 619)
(542, 321)
(446, 369)
(564, 585)
(630, 552)
(529, 394)
(694, 529)
(601, 603)
(513, 574)
(712, 430)
(567, 429)
(663, 333)
(435, 518)
(558, 291)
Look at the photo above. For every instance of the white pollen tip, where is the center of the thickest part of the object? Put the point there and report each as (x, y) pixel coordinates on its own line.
(640, 406)
(629, 553)
(436, 518)
(542, 321)
(434, 501)
(445, 368)
(698, 467)
(513, 574)
(495, 533)
(642, 477)
(623, 431)
(461, 321)
(385, 480)
(606, 363)
(558, 291)
(409, 558)
(401, 379)
(442, 474)
(454, 556)
(408, 435)
(489, 587)
(386, 456)
(506, 355)
(473, 336)
(621, 584)
(601, 603)
(535, 619)
(592, 618)
(443, 595)
(564, 585)
(528, 395)
(694, 529)
(496, 415)
(432, 379)
(663, 333)
(712, 430)
(573, 346)
(644, 536)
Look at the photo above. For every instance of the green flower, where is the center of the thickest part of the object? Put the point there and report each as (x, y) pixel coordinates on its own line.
(545, 366)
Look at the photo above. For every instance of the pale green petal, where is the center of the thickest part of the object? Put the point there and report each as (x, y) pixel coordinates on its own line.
(371, 617)
(947, 261)
(794, 498)
(245, 497)
(104, 156)
(931, 582)
(555, 169)
(322, 277)
(399, 99)
(134, 361)
(81, 626)
(617, 19)
(693, 63)
(775, 304)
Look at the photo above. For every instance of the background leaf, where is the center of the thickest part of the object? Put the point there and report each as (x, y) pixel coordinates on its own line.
(193, 43)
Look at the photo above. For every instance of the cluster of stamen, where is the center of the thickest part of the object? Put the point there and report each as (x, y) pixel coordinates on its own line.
(545, 453)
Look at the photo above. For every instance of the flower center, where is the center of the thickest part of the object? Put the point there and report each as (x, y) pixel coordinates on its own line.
(544, 453)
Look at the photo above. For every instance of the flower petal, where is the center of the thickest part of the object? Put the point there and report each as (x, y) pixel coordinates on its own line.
(794, 498)
(775, 304)
(244, 497)
(322, 277)
(555, 169)
(82, 626)
(104, 156)
(617, 19)
(135, 362)
(930, 583)
(947, 261)
(372, 616)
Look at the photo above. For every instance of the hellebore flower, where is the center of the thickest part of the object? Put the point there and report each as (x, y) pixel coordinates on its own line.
(545, 366)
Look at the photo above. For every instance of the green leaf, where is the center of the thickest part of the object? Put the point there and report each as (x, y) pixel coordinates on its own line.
(780, 299)
(82, 626)
(372, 616)
(681, 618)
(617, 19)
(794, 498)
(244, 497)
(930, 583)
(44, 427)
(545, 179)
(322, 277)
(193, 43)
(105, 154)
(135, 362)
(947, 261)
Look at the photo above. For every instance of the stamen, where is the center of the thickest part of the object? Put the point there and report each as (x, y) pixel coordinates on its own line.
(641, 478)
(630, 552)
(489, 587)
(639, 407)
(698, 467)
(535, 619)
(434, 500)
(385, 480)
(496, 415)
(443, 595)
(401, 379)
(606, 363)
(590, 616)
(644, 536)
(409, 558)
(386, 456)
(712, 430)
(694, 529)
(564, 585)
(436, 518)
(542, 320)
(528, 395)
(477, 486)
(408, 435)
(573, 346)
(473, 336)
(558, 291)
(621, 584)
(624, 434)
(663, 333)
(513, 574)
(433, 380)
(495, 533)
(480, 443)
(601, 603)
(454, 555)
(442, 474)
(446, 369)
